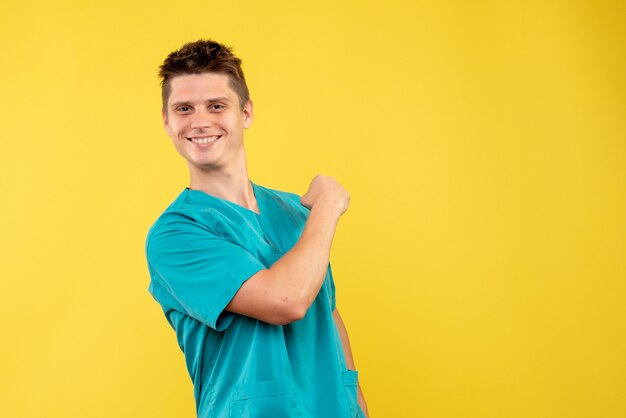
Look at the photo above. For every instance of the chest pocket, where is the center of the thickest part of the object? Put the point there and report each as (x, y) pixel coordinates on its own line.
(268, 399)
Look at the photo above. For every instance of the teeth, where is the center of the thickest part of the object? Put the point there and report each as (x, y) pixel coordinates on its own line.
(206, 140)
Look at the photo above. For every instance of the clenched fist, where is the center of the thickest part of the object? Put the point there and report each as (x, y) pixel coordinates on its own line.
(327, 192)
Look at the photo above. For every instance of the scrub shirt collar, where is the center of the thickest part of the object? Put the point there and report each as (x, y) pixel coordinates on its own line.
(198, 197)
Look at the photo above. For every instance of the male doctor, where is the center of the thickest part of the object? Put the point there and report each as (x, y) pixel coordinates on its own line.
(242, 271)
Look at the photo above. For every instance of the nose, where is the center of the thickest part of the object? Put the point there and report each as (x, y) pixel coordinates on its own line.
(200, 120)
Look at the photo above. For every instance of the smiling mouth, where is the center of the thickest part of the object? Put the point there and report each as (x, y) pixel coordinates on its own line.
(205, 139)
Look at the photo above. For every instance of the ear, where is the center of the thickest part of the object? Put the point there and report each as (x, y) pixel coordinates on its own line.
(248, 114)
(166, 123)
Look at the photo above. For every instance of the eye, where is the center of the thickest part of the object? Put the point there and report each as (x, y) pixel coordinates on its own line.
(183, 109)
(217, 107)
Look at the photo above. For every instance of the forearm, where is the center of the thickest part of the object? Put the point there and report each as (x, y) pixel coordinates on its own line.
(299, 274)
(284, 292)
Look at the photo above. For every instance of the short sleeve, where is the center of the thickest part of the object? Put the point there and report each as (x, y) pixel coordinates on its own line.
(196, 271)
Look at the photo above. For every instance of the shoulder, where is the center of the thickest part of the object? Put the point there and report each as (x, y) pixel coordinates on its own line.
(278, 193)
(289, 199)
(180, 215)
(196, 216)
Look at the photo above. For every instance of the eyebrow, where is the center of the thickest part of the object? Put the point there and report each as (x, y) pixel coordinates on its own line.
(212, 100)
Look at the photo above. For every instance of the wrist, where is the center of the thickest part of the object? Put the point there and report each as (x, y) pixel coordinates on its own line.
(335, 209)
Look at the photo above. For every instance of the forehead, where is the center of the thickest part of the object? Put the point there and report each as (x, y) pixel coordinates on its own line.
(200, 87)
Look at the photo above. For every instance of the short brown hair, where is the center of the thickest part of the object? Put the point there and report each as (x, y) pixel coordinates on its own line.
(203, 56)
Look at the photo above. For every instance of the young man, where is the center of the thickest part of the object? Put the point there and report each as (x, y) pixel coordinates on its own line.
(242, 271)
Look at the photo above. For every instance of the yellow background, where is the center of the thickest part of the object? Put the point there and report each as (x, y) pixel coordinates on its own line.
(480, 269)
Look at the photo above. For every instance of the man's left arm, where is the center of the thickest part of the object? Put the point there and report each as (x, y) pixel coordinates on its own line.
(345, 342)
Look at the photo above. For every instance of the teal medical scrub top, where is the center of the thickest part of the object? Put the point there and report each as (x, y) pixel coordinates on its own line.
(200, 251)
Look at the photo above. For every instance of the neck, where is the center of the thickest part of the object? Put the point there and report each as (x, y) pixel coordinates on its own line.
(231, 184)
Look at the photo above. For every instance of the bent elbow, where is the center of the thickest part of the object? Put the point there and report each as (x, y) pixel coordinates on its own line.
(290, 312)
(298, 312)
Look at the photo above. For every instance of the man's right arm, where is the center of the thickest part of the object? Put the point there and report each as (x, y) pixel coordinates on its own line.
(284, 292)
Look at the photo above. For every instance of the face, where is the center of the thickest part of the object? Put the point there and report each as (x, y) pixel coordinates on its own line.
(206, 122)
